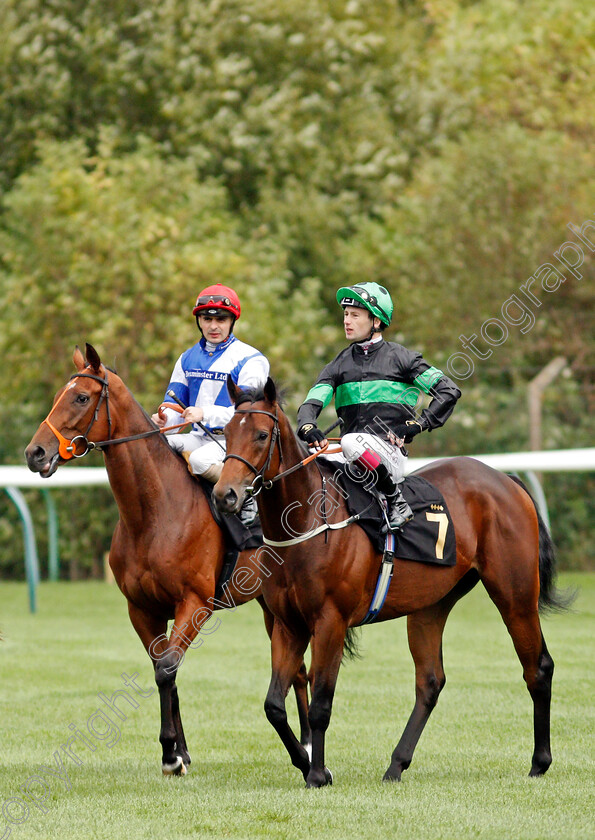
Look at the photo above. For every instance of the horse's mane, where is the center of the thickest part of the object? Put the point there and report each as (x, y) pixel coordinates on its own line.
(256, 394)
(143, 410)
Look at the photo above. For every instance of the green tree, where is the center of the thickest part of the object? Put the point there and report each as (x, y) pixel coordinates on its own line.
(151, 148)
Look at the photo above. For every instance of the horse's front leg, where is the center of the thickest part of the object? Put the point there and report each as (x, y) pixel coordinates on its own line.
(327, 651)
(300, 683)
(181, 747)
(167, 663)
(300, 687)
(169, 655)
(287, 652)
(152, 633)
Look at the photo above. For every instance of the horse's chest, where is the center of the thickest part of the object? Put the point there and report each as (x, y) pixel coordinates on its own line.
(290, 594)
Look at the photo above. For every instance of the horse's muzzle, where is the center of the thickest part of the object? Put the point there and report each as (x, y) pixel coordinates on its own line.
(39, 461)
(226, 499)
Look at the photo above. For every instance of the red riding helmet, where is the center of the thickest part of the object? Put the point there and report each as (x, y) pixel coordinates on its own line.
(215, 298)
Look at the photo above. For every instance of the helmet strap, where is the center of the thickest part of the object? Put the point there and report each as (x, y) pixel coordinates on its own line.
(373, 332)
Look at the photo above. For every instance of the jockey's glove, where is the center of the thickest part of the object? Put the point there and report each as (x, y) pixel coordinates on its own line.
(310, 433)
(408, 430)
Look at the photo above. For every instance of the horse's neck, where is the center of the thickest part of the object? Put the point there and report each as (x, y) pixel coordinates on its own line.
(144, 474)
(281, 518)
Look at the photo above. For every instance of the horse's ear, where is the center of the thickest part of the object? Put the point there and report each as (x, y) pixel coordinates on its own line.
(93, 357)
(270, 390)
(232, 389)
(77, 358)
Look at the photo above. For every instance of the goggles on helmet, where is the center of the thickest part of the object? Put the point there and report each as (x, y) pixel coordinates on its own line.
(206, 299)
(352, 302)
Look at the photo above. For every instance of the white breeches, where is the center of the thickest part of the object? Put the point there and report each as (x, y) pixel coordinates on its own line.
(358, 443)
(204, 452)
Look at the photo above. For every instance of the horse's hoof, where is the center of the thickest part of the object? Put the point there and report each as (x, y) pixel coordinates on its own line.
(317, 780)
(540, 764)
(178, 768)
(393, 773)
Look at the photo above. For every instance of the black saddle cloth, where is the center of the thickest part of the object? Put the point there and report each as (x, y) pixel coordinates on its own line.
(428, 538)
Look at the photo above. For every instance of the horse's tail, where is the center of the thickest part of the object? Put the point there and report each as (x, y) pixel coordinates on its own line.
(551, 599)
(351, 644)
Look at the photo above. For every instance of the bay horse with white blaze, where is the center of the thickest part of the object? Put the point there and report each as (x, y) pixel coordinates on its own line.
(323, 587)
(167, 550)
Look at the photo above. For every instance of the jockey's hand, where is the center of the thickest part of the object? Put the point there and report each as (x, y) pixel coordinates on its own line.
(312, 435)
(194, 414)
(159, 418)
(407, 431)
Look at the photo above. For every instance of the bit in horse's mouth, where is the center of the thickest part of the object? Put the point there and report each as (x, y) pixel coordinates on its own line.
(50, 467)
(236, 508)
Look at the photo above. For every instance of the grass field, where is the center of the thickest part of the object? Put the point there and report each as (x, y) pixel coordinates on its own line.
(468, 778)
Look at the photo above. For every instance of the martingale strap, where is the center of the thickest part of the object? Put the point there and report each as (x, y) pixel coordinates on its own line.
(386, 569)
(315, 531)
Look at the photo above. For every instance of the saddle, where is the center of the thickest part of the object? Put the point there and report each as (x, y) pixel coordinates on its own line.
(427, 538)
(237, 536)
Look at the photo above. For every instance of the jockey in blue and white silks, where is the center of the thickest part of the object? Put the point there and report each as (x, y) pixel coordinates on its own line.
(199, 381)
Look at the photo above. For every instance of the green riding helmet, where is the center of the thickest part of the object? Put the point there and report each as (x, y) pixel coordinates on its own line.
(370, 296)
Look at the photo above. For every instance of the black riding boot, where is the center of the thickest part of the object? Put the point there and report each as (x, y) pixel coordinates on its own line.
(399, 511)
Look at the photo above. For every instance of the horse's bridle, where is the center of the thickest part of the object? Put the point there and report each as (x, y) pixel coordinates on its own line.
(67, 448)
(259, 483)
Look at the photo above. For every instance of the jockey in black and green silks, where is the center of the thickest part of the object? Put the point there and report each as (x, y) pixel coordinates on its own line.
(377, 385)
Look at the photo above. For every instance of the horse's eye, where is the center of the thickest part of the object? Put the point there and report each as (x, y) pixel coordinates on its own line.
(82, 399)
(263, 435)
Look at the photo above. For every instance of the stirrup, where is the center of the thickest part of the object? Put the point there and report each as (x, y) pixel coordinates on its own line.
(398, 518)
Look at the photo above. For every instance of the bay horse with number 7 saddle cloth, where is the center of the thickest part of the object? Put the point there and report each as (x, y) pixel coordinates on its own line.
(324, 581)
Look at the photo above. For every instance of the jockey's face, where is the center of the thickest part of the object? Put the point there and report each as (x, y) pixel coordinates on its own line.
(215, 328)
(358, 323)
